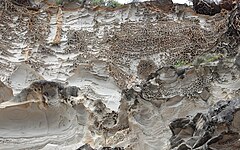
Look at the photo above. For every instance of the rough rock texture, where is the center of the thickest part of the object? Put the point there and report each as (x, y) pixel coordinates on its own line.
(210, 7)
(124, 78)
(217, 129)
(6, 93)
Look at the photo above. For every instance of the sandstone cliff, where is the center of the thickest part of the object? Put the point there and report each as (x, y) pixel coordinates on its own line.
(142, 76)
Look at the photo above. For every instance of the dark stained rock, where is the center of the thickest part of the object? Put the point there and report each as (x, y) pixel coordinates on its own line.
(85, 147)
(227, 4)
(230, 41)
(88, 147)
(177, 125)
(210, 7)
(225, 141)
(217, 129)
(206, 7)
(234, 22)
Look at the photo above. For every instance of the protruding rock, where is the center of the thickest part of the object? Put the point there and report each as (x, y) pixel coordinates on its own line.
(145, 68)
(227, 4)
(214, 130)
(6, 93)
(234, 23)
(85, 147)
(205, 94)
(206, 7)
(237, 61)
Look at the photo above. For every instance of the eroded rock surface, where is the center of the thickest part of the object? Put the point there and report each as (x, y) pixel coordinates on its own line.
(6, 92)
(124, 78)
(216, 129)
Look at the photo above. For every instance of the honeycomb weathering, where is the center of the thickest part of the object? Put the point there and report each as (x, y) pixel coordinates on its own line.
(142, 76)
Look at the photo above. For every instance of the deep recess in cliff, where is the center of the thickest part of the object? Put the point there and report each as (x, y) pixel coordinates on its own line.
(142, 76)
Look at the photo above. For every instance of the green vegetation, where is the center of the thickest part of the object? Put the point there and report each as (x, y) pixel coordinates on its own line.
(98, 2)
(213, 58)
(112, 4)
(199, 60)
(59, 2)
(108, 3)
(180, 63)
(206, 59)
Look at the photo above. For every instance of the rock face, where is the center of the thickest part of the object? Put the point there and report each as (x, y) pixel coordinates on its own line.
(143, 76)
(6, 93)
(210, 7)
(216, 129)
(206, 7)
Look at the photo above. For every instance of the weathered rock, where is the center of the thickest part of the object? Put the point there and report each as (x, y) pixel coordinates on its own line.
(85, 147)
(145, 68)
(168, 82)
(114, 148)
(6, 93)
(88, 147)
(210, 7)
(227, 4)
(213, 130)
(206, 7)
(237, 61)
(126, 73)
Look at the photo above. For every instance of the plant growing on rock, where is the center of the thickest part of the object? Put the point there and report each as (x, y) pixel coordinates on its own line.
(180, 63)
(59, 2)
(206, 59)
(112, 3)
(98, 2)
